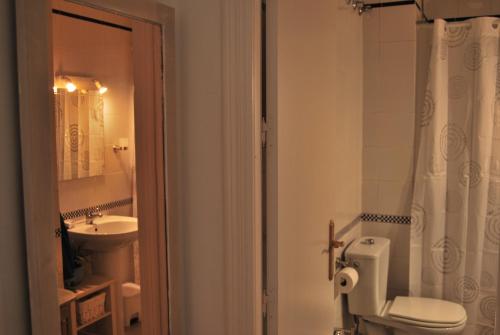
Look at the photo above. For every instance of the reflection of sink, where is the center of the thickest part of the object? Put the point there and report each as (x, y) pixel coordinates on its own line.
(107, 233)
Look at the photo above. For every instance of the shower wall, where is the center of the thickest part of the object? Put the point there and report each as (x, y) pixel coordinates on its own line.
(395, 75)
(388, 131)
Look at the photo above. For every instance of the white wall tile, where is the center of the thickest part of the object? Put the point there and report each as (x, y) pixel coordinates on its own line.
(397, 78)
(441, 8)
(398, 23)
(495, 7)
(371, 25)
(389, 129)
(370, 196)
(370, 156)
(372, 89)
(395, 163)
(395, 197)
(474, 7)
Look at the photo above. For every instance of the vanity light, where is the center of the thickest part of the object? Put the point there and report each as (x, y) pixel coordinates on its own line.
(70, 87)
(102, 89)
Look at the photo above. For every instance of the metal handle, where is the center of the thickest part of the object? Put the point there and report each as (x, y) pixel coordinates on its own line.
(332, 244)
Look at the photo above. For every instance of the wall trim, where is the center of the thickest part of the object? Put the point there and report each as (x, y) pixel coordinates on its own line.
(241, 81)
(76, 213)
(386, 218)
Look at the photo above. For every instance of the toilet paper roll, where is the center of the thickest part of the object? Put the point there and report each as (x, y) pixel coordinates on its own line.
(346, 279)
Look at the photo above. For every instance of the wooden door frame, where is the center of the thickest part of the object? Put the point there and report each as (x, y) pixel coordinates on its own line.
(41, 208)
(242, 192)
(272, 165)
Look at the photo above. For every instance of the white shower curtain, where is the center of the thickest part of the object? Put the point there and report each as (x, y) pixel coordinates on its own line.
(455, 235)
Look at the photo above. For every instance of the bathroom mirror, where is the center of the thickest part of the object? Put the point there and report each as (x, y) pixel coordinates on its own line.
(80, 133)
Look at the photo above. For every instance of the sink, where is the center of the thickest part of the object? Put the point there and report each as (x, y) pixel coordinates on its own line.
(105, 234)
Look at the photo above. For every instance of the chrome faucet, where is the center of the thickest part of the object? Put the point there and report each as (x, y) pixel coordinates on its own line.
(91, 214)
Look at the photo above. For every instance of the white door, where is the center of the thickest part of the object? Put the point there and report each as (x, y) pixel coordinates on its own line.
(314, 113)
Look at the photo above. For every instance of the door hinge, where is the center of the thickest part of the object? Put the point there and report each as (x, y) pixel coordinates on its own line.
(265, 300)
(263, 132)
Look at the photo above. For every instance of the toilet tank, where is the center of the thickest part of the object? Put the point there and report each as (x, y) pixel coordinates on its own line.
(370, 256)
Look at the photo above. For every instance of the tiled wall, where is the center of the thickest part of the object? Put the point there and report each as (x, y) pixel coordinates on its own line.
(389, 109)
(388, 143)
(103, 53)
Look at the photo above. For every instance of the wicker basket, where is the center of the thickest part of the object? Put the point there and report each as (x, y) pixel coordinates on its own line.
(91, 308)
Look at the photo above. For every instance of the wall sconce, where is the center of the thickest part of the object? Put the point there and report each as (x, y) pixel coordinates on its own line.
(70, 87)
(122, 145)
(102, 89)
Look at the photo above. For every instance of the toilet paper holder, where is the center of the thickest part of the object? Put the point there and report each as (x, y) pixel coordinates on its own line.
(339, 263)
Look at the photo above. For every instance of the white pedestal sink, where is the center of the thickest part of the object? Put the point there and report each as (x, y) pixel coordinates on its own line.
(109, 239)
(105, 234)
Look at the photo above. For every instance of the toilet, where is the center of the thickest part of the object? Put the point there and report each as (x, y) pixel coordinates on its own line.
(403, 315)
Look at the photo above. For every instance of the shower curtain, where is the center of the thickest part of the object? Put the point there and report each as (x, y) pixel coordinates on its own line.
(455, 230)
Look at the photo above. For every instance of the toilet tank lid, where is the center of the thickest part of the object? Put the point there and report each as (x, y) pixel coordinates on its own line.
(367, 247)
(427, 310)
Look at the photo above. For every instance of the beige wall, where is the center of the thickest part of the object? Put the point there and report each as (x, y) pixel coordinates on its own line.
(199, 282)
(14, 304)
(91, 50)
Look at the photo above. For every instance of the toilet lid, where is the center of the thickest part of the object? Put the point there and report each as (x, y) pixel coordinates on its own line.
(426, 310)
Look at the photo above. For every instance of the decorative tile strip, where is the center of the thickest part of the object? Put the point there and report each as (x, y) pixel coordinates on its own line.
(103, 207)
(399, 219)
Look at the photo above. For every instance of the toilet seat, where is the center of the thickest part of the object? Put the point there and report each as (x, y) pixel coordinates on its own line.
(427, 325)
(449, 323)
(427, 312)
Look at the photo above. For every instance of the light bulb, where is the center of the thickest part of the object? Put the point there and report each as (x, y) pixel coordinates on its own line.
(70, 87)
(55, 89)
(102, 89)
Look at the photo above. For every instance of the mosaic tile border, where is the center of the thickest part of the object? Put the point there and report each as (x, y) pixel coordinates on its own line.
(398, 219)
(103, 207)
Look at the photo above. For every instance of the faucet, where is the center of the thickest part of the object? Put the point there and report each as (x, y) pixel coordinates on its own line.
(91, 214)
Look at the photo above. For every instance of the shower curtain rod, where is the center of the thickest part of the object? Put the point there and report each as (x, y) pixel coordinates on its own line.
(391, 4)
(396, 4)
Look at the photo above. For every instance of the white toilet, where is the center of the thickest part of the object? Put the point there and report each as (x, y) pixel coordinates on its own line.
(405, 315)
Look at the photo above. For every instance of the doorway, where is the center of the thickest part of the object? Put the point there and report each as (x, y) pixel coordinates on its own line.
(103, 131)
